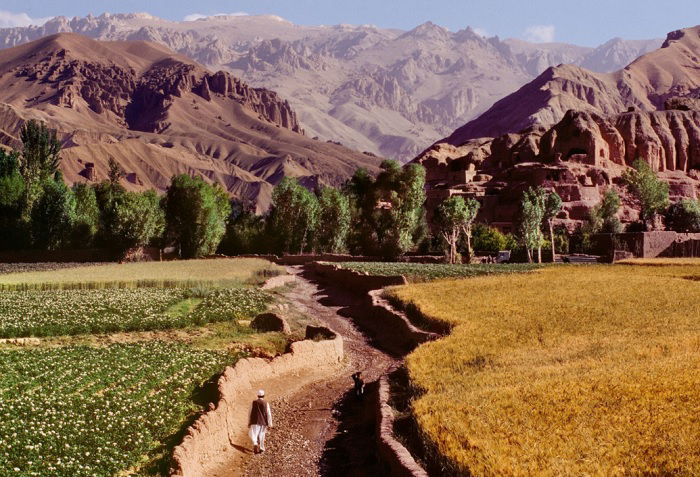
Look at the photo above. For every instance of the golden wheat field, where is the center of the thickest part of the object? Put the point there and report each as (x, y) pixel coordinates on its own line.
(588, 370)
(147, 274)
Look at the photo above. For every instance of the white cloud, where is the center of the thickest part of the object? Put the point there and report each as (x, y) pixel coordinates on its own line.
(540, 33)
(198, 16)
(481, 32)
(10, 19)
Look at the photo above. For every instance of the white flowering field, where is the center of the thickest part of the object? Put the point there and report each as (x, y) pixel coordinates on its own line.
(72, 312)
(84, 411)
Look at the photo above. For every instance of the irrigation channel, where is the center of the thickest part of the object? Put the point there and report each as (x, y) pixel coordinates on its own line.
(321, 429)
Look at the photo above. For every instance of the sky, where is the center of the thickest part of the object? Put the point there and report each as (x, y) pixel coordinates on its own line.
(582, 22)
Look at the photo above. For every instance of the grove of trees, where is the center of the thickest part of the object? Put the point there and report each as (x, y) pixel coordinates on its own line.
(380, 216)
(39, 211)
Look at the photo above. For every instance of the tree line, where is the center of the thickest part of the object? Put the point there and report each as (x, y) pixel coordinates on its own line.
(380, 216)
(39, 211)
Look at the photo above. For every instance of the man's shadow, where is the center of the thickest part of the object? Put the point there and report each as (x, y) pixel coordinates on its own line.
(242, 449)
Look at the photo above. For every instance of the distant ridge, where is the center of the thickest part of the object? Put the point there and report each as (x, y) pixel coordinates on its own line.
(159, 113)
(389, 92)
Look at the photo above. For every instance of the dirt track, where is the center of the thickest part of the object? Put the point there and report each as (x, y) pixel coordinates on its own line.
(321, 429)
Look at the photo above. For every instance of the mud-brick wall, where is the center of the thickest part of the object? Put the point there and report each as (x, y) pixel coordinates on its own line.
(212, 434)
(354, 281)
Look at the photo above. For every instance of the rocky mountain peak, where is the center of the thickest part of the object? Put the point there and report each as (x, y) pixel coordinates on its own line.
(444, 79)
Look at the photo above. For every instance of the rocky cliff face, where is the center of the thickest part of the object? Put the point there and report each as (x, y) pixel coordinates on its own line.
(577, 131)
(579, 157)
(160, 114)
(386, 91)
(141, 101)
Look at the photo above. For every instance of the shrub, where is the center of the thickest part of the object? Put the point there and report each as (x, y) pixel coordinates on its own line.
(489, 239)
(684, 216)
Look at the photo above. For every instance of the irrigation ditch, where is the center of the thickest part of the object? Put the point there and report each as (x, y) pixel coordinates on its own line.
(398, 330)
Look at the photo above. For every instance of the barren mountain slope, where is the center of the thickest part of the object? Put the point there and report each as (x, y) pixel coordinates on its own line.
(385, 91)
(158, 113)
(671, 72)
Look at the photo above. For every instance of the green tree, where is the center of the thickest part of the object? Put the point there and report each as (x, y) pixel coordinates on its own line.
(489, 239)
(552, 206)
(133, 219)
(650, 192)
(53, 215)
(392, 210)
(532, 212)
(603, 217)
(196, 215)
(115, 173)
(684, 216)
(455, 217)
(334, 221)
(12, 189)
(294, 216)
(245, 232)
(39, 160)
(87, 215)
(360, 191)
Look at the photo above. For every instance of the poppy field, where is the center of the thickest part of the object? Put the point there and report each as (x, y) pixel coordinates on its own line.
(94, 396)
(70, 312)
(84, 411)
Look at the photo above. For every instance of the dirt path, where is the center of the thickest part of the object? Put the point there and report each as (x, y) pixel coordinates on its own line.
(320, 429)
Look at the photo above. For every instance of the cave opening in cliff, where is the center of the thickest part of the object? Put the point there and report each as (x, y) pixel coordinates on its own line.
(576, 151)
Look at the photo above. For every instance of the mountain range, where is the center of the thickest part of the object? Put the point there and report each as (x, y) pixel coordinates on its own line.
(158, 113)
(384, 91)
(577, 131)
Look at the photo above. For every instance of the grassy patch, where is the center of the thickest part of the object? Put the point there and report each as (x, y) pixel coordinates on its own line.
(422, 272)
(183, 307)
(662, 262)
(577, 370)
(175, 274)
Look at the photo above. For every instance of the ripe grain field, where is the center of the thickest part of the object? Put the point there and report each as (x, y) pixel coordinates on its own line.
(185, 273)
(571, 370)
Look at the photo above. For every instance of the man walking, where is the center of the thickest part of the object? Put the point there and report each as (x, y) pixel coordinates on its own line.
(260, 420)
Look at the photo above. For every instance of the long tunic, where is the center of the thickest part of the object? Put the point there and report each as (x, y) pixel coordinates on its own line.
(260, 414)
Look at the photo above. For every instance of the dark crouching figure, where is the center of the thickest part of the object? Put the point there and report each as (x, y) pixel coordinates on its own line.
(359, 385)
(260, 420)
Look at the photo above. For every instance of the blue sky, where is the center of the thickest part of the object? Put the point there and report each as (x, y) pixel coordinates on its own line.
(584, 22)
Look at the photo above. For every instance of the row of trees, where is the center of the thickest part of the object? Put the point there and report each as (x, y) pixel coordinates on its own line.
(380, 216)
(38, 210)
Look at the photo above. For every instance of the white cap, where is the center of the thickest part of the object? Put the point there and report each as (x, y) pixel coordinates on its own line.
(261, 393)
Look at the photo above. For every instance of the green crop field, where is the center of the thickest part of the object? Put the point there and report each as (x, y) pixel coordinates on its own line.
(127, 356)
(186, 273)
(84, 411)
(421, 272)
(71, 312)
